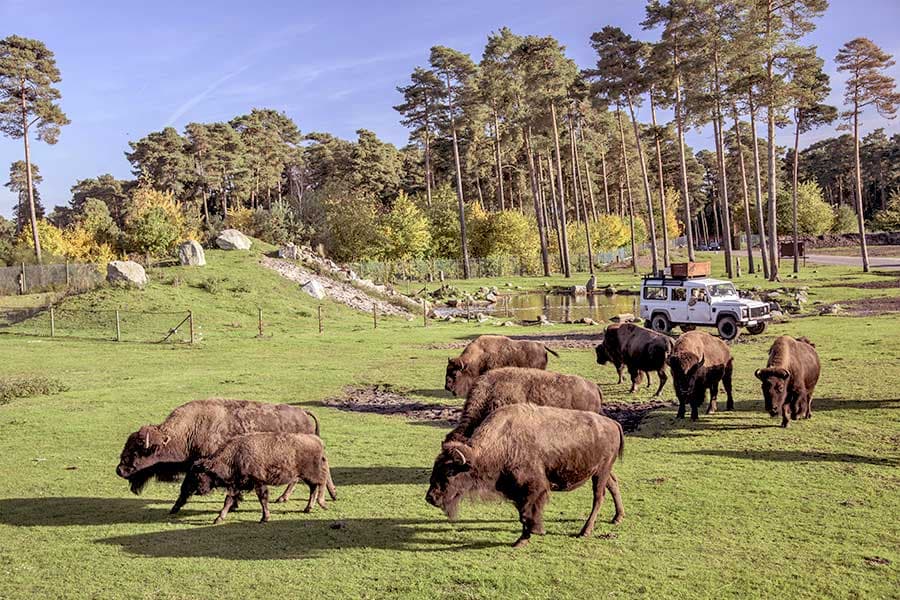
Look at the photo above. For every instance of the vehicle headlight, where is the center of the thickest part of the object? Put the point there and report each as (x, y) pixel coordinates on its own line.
(746, 312)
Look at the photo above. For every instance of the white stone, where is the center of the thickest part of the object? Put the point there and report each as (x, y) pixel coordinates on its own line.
(314, 289)
(232, 239)
(290, 251)
(128, 271)
(190, 253)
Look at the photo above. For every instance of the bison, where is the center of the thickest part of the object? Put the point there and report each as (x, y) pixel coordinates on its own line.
(639, 349)
(492, 352)
(258, 460)
(699, 362)
(198, 429)
(523, 452)
(790, 377)
(512, 385)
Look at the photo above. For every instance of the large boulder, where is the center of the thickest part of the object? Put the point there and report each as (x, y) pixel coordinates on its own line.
(190, 253)
(232, 239)
(289, 250)
(126, 271)
(314, 289)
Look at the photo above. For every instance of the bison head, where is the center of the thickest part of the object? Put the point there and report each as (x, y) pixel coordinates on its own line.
(603, 356)
(774, 388)
(450, 478)
(141, 452)
(687, 371)
(458, 380)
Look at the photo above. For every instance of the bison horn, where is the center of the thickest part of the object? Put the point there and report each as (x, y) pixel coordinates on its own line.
(147, 440)
(701, 361)
(758, 373)
(462, 456)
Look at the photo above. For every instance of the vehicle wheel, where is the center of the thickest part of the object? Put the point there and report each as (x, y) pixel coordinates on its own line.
(686, 328)
(660, 323)
(758, 328)
(728, 328)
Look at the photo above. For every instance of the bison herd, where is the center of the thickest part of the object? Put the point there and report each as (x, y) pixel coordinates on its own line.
(523, 432)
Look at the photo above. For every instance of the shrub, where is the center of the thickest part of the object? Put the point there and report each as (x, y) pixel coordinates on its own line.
(213, 285)
(25, 386)
(403, 231)
(155, 223)
(351, 228)
(814, 215)
(844, 220)
(888, 218)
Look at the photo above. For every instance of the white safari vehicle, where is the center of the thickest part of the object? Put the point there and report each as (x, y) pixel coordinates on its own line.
(700, 301)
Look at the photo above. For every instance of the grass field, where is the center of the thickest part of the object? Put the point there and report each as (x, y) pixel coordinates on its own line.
(729, 507)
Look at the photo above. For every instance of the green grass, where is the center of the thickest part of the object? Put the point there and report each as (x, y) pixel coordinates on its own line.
(729, 507)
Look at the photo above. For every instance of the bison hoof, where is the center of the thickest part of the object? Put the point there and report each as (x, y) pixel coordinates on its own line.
(174, 510)
(520, 543)
(307, 509)
(280, 500)
(217, 520)
(584, 534)
(264, 520)
(618, 519)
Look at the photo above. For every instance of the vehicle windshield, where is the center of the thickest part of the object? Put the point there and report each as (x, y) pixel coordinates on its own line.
(722, 289)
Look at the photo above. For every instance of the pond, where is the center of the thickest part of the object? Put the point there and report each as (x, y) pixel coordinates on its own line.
(556, 307)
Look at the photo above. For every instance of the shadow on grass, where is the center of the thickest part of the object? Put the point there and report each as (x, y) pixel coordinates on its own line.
(797, 456)
(297, 538)
(67, 511)
(379, 476)
(828, 404)
(433, 393)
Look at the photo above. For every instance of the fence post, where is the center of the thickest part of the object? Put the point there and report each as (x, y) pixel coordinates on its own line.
(321, 329)
(191, 323)
(425, 306)
(24, 283)
(375, 315)
(118, 328)
(259, 320)
(52, 322)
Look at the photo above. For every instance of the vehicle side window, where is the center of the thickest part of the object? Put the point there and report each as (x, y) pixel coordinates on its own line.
(698, 294)
(654, 293)
(679, 294)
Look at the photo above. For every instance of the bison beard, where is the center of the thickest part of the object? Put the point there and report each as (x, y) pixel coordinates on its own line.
(522, 452)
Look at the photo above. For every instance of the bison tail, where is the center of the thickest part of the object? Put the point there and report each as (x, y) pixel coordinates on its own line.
(550, 350)
(621, 440)
(315, 420)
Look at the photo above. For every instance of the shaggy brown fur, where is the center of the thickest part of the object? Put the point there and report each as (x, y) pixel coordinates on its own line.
(640, 349)
(492, 352)
(699, 362)
(258, 460)
(198, 429)
(511, 385)
(523, 452)
(790, 378)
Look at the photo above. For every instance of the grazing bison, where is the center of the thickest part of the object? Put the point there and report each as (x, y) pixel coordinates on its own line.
(198, 429)
(511, 385)
(492, 352)
(640, 349)
(790, 377)
(699, 362)
(523, 452)
(257, 460)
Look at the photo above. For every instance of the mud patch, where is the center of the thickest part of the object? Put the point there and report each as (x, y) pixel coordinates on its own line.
(385, 399)
(889, 284)
(868, 307)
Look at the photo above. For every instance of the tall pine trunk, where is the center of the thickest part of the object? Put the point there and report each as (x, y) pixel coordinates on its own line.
(760, 215)
(770, 159)
(746, 195)
(554, 213)
(863, 248)
(498, 160)
(654, 255)
(587, 176)
(634, 257)
(459, 189)
(719, 133)
(32, 214)
(579, 189)
(662, 187)
(538, 211)
(564, 245)
(679, 123)
(794, 177)
(605, 180)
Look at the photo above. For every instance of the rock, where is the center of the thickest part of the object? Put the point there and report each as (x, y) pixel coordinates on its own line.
(507, 324)
(314, 289)
(482, 317)
(588, 321)
(623, 318)
(232, 239)
(190, 253)
(609, 290)
(290, 251)
(831, 309)
(126, 271)
(578, 290)
(490, 297)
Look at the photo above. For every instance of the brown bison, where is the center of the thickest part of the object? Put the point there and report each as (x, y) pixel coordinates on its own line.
(639, 349)
(258, 460)
(198, 429)
(492, 352)
(699, 362)
(790, 378)
(512, 385)
(523, 452)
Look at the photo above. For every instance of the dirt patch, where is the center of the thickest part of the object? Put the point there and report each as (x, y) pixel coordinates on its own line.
(384, 399)
(552, 340)
(888, 284)
(335, 290)
(868, 307)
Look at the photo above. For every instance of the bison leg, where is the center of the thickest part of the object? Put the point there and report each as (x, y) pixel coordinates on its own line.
(262, 492)
(320, 496)
(620, 369)
(808, 413)
(599, 491)
(313, 496)
(786, 414)
(183, 496)
(726, 383)
(635, 379)
(286, 494)
(329, 482)
(681, 408)
(713, 397)
(612, 484)
(647, 373)
(531, 514)
(229, 502)
(662, 381)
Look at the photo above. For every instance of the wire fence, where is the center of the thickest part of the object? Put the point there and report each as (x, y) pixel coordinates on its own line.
(32, 279)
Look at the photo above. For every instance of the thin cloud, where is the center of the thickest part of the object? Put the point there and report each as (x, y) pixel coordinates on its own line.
(195, 100)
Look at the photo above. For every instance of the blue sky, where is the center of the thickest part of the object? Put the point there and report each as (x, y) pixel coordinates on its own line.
(133, 67)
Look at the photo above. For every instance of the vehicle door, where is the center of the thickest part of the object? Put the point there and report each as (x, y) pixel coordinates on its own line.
(678, 305)
(699, 310)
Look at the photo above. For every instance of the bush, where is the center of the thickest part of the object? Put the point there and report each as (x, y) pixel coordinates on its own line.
(351, 228)
(814, 215)
(888, 218)
(844, 220)
(403, 231)
(155, 223)
(25, 386)
(443, 223)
